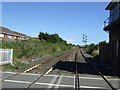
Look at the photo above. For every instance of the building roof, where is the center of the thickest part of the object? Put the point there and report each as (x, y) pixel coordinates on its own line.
(7, 31)
(3, 29)
(111, 4)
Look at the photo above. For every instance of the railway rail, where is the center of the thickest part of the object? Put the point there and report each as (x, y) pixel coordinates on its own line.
(46, 72)
(35, 66)
(62, 57)
(77, 83)
(77, 74)
(95, 68)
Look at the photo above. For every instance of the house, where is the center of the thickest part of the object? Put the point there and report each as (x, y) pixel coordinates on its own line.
(112, 27)
(7, 34)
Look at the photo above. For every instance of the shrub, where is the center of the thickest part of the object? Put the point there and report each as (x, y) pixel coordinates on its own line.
(92, 49)
(27, 49)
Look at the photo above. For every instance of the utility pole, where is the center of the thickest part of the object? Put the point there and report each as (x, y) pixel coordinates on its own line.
(84, 39)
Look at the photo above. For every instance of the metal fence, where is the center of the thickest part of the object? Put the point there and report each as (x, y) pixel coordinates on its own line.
(6, 56)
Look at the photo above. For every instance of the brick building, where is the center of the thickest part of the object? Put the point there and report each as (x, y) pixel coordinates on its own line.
(112, 26)
(7, 34)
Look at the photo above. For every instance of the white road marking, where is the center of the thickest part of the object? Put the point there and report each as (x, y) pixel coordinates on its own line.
(8, 72)
(93, 78)
(14, 81)
(24, 82)
(74, 80)
(92, 87)
(56, 85)
(52, 82)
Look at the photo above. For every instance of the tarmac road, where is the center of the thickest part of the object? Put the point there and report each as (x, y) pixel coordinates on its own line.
(56, 81)
(62, 76)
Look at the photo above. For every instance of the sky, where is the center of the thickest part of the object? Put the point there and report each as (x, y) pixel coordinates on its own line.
(68, 19)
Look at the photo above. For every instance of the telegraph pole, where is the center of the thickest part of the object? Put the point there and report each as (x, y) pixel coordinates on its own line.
(84, 39)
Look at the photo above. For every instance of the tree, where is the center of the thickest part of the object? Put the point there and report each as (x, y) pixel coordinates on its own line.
(51, 38)
(103, 42)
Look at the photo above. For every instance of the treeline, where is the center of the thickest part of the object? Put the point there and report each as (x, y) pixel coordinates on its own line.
(53, 38)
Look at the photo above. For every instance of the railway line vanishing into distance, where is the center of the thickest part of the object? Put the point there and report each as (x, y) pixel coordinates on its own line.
(67, 62)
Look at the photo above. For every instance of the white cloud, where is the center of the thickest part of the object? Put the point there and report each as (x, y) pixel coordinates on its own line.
(35, 34)
(70, 40)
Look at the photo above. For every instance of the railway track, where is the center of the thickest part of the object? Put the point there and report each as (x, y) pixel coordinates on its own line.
(47, 71)
(77, 74)
(47, 60)
(59, 77)
(55, 63)
(77, 82)
(95, 68)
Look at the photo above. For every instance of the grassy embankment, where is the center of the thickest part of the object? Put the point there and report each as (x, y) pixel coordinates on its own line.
(93, 49)
(25, 51)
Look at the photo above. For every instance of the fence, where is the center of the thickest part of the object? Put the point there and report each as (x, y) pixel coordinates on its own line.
(6, 56)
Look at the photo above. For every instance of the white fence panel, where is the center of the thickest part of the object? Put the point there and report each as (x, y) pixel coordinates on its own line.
(6, 56)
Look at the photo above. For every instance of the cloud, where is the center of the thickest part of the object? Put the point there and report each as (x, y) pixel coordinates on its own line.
(70, 40)
(35, 34)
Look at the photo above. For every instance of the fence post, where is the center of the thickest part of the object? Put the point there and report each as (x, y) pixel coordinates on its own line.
(11, 61)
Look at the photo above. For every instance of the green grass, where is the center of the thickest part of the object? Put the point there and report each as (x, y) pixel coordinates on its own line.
(8, 68)
(16, 67)
(25, 51)
(92, 49)
(20, 65)
(95, 53)
(53, 53)
(29, 49)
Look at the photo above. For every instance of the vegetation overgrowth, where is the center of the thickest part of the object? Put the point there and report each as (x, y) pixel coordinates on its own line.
(24, 51)
(53, 38)
(93, 49)
(34, 48)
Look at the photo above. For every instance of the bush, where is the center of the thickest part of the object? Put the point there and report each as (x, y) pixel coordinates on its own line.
(27, 49)
(92, 49)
